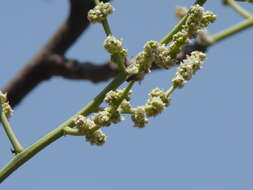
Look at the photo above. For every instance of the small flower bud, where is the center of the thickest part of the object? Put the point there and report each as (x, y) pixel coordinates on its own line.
(100, 12)
(83, 123)
(125, 107)
(132, 69)
(7, 109)
(187, 68)
(3, 97)
(116, 117)
(139, 118)
(102, 118)
(178, 81)
(113, 45)
(96, 138)
(181, 12)
(151, 46)
(113, 97)
(157, 92)
(154, 106)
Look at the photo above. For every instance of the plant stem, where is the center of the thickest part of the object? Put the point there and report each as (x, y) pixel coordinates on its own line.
(169, 92)
(106, 27)
(105, 23)
(239, 9)
(29, 152)
(10, 133)
(71, 131)
(231, 31)
(167, 39)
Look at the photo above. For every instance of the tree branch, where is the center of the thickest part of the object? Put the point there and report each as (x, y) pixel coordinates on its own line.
(33, 73)
(73, 69)
(58, 65)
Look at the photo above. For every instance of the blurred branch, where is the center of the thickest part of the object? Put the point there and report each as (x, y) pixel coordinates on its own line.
(34, 72)
(57, 65)
(238, 8)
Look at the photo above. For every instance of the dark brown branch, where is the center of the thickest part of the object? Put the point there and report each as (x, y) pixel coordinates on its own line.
(34, 72)
(72, 69)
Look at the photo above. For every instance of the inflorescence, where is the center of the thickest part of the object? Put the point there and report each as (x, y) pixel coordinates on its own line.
(5, 106)
(163, 55)
(100, 12)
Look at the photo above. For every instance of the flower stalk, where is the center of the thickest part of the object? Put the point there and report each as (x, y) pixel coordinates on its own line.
(17, 147)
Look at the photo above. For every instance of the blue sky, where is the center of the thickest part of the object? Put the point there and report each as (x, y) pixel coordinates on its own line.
(203, 141)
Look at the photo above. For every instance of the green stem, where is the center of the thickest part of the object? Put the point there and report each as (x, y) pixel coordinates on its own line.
(125, 92)
(96, 2)
(73, 132)
(239, 9)
(119, 79)
(231, 31)
(119, 60)
(32, 150)
(105, 23)
(10, 133)
(106, 27)
(169, 92)
(167, 39)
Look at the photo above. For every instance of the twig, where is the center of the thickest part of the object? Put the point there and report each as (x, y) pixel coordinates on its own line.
(17, 147)
(238, 9)
(34, 72)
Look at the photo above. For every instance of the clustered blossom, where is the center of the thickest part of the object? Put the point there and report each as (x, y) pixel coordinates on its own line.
(125, 107)
(113, 97)
(153, 52)
(113, 45)
(164, 55)
(156, 103)
(96, 138)
(86, 127)
(181, 12)
(139, 117)
(84, 124)
(197, 20)
(5, 105)
(187, 68)
(100, 12)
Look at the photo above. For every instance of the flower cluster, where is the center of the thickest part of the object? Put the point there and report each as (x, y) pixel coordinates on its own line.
(100, 12)
(139, 117)
(153, 52)
(5, 105)
(197, 20)
(187, 68)
(114, 46)
(113, 97)
(164, 54)
(88, 128)
(156, 103)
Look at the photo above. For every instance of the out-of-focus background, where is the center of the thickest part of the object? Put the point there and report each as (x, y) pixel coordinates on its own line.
(203, 141)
